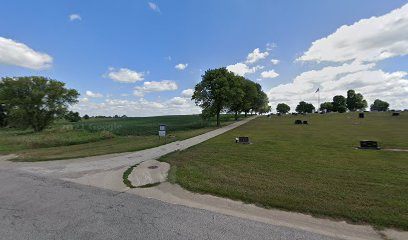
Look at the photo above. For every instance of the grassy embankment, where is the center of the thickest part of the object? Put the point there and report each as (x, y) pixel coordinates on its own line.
(100, 136)
(313, 168)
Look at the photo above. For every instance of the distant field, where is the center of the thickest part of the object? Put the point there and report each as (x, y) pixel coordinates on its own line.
(100, 136)
(313, 168)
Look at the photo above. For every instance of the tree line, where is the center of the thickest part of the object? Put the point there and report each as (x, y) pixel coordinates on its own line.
(353, 102)
(222, 91)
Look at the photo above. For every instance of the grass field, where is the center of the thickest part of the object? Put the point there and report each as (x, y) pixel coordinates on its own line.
(313, 168)
(100, 136)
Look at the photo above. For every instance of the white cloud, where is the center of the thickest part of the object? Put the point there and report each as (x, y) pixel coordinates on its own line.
(181, 66)
(92, 94)
(274, 61)
(165, 85)
(154, 6)
(242, 69)
(75, 17)
(188, 93)
(125, 75)
(371, 39)
(271, 46)
(19, 54)
(256, 55)
(269, 74)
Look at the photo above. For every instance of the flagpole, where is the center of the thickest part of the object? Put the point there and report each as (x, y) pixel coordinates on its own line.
(318, 101)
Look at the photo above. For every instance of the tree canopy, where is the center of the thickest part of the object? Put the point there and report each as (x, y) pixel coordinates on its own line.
(221, 90)
(379, 105)
(355, 101)
(304, 107)
(326, 106)
(282, 108)
(339, 104)
(35, 101)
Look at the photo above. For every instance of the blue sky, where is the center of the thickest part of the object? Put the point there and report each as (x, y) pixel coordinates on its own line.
(122, 55)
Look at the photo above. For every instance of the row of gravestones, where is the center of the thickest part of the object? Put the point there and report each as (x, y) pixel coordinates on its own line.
(361, 115)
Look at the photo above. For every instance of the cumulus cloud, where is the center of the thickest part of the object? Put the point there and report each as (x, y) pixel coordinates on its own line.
(188, 93)
(242, 69)
(255, 56)
(92, 94)
(352, 53)
(274, 61)
(125, 75)
(153, 6)
(75, 17)
(371, 39)
(165, 85)
(181, 66)
(19, 54)
(269, 74)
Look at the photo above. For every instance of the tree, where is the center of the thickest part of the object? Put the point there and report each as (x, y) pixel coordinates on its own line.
(72, 116)
(282, 108)
(339, 104)
(213, 94)
(3, 116)
(235, 104)
(260, 104)
(250, 96)
(379, 105)
(35, 101)
(86, 117)
(326, 106)
(304, 107)
(355, 101)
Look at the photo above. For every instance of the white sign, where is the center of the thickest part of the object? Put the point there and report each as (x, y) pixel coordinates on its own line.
(162, 128)
(162, 133)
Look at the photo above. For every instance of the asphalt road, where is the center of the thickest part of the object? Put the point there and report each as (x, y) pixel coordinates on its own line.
(35, 207)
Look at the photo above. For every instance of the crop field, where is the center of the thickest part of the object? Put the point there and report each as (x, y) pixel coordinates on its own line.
(314, 168)
(100, 136)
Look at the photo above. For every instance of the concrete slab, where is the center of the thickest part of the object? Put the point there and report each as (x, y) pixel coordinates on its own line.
(149, 172)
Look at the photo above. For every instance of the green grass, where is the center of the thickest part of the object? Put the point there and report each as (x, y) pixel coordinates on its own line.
(313, 168)
(100, 136)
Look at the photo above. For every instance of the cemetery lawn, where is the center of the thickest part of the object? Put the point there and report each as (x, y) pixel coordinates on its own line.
(93, 137)
(314, 169)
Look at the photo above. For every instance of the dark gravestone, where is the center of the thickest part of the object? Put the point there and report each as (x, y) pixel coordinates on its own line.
(361, 115)
(298, 121)
(305, 122)
(395, 114)
(366, 144)
(243, 140)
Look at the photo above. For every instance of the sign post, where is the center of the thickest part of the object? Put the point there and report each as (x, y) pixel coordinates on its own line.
(162, 130)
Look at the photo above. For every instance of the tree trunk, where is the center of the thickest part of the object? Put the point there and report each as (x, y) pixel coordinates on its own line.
(218, 119)
(236, 116)
(246, 114)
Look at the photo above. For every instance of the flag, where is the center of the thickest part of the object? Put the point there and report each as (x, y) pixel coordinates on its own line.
(318, 90)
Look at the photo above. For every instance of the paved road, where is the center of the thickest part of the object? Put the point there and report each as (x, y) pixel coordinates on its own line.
(36, 207)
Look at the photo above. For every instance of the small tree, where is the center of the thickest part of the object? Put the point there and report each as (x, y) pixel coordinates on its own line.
(35, 101)
(282, 108)
(304, 107)
(72, 116)
(355, 101)
(86, 117)
(379, 105)
(326, 106)
(339, 104)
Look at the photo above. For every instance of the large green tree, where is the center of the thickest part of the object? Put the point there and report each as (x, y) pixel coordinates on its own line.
(339, 104)
(379, 105)
(214, 93)
(326, 106)
(237, 92)
(355, 101)
(282, 108)
(35, 101)
(250, 96)
(304, 107)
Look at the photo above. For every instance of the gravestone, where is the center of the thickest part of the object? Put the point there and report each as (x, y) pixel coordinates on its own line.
(361, 115)
(395, 114)
(368, 144)
(243, 140)
(305, 122)
(298, 121)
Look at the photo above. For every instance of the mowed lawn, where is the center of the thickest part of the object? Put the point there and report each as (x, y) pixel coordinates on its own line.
(313, 168)
(94, 137)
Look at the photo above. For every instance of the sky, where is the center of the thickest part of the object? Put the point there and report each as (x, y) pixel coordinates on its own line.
(141, 58)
